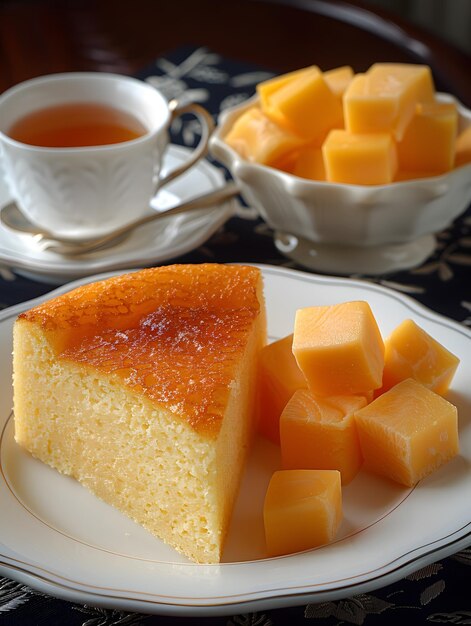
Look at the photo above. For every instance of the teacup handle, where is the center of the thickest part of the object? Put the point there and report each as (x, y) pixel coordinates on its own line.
(207, 125)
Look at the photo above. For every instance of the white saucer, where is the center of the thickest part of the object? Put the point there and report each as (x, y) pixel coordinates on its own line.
(145, 246)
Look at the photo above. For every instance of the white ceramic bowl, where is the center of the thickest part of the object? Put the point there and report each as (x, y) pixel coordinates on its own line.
(342, 228)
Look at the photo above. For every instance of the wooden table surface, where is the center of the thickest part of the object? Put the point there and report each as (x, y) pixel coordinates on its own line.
(43, 36)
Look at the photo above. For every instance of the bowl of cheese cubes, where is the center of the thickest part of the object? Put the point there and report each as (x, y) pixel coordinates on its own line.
(355, 173)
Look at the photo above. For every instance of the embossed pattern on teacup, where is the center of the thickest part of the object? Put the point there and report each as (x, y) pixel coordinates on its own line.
(73, 193)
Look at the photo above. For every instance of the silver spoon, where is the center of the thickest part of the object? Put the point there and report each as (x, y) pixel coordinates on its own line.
(15, 220)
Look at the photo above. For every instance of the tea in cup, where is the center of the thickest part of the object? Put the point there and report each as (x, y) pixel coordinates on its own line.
(83, 151)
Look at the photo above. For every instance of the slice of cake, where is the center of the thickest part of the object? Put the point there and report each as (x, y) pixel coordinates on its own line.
(142, 387)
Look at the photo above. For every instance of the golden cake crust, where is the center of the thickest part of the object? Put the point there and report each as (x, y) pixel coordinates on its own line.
(167, 316)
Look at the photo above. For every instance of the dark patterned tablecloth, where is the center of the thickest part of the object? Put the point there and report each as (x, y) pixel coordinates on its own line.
(438, 593)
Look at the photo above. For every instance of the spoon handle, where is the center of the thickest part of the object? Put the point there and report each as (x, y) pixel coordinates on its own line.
(209, 199)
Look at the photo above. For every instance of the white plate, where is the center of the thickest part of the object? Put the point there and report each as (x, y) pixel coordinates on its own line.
(179, 235)
(58, 538)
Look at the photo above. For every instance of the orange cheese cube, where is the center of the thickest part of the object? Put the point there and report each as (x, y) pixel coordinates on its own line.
(306, 106)
(268, 87)
(256, 138)
(339, 348)
(403, 175)
(338, 79)
(407, 432)
(410, 352)
(463, 147)
(384, 99)
(309, 164)
(302, 510)
(279, 378)
(320, 433)
(428, 144)
(286, 162)
(367, 159)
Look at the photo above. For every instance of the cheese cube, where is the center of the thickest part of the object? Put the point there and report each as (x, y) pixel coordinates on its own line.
(279, 378)
(367, 159)
(302, 510)
(407, 432)
(268, 87)
(320, 433)
(463, 147)
(403, 175)
(286, 162)
(384, 99)
(339, 348)
(428, 144)
(410, 352)
(256, 138)
(306, 106)
(309, 163)
(338, 79)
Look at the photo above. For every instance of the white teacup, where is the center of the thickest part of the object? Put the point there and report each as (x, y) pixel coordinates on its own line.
(87, 191)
